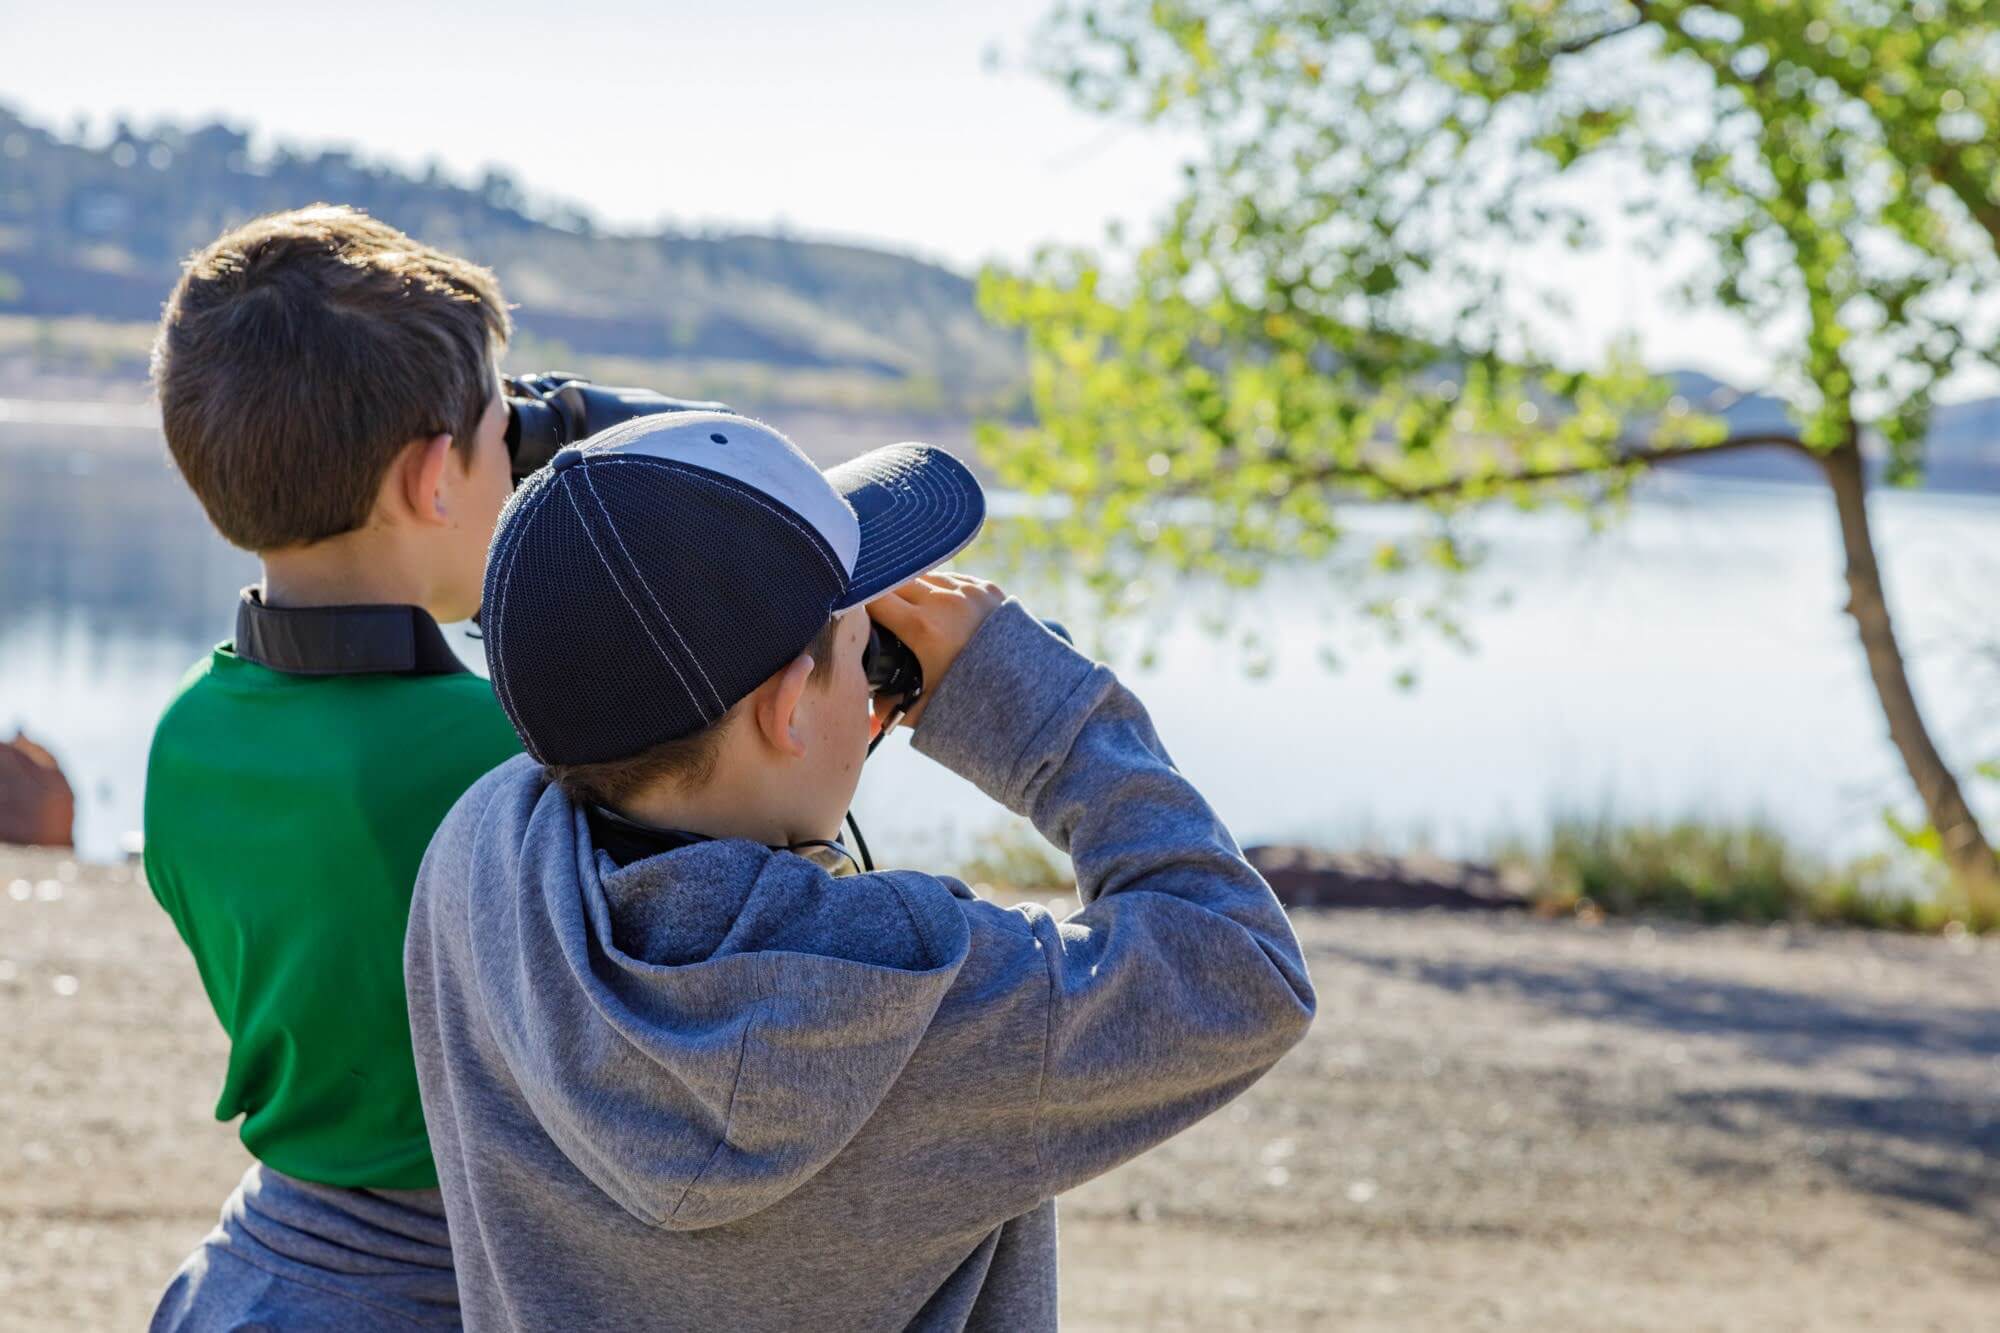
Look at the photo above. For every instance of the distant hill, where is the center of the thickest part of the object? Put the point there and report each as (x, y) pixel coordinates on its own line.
(101, 230)
(1961, 454)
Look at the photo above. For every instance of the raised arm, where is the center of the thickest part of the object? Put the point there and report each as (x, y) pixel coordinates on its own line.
(1179, 981)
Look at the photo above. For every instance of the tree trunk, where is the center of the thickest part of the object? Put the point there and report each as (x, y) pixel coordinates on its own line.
(1966, 851)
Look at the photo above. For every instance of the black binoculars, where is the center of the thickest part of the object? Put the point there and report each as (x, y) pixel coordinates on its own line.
(549, 409)
(893, 670)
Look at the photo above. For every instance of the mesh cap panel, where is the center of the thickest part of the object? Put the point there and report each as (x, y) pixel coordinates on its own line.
(631, 600)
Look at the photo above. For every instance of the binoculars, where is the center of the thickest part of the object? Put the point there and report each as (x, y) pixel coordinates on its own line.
(893, 670)
(549, 409)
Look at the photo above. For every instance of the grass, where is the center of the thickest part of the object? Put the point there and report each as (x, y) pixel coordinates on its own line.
(750, 383)
(1588, 869)
(1013, 858)
(119, 349)
(1746, 872)
(78, 343)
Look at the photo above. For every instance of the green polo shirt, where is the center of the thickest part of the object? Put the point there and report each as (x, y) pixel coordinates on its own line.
(286, 815)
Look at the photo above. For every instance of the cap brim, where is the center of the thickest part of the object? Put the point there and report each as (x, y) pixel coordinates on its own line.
(918, 507)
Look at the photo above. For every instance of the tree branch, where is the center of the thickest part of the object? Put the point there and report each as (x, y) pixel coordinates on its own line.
(1947, 168)
(1640, 18)
(1579, 44)
(1643, 457)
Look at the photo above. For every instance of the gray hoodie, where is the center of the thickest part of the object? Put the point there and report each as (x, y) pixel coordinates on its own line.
(718, 1088)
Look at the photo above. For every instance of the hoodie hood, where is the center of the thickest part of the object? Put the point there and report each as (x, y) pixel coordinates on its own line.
(701, 1031)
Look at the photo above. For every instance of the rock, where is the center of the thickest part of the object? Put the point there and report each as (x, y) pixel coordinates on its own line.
(1309, 877)
(37, 807)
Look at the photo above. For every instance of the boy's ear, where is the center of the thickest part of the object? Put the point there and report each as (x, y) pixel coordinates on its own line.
(417, 479)
(777, 707)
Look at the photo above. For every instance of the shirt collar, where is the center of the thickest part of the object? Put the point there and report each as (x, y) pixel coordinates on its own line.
(341, 640)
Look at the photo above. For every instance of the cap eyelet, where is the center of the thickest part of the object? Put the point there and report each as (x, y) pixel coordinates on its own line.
(719, 438)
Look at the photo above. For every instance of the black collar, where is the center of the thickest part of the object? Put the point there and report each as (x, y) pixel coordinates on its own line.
(341, 640)
(628, 840)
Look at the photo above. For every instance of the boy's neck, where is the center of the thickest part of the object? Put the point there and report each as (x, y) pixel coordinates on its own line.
(722, 810)
(354, 569)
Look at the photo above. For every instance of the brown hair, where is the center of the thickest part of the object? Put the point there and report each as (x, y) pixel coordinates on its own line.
(687, 762)
(300, 352)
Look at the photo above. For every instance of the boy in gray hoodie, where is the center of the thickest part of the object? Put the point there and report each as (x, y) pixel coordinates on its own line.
(678, 1075)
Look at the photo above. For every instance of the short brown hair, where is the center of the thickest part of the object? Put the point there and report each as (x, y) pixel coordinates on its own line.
(688, 761)
(297, 355)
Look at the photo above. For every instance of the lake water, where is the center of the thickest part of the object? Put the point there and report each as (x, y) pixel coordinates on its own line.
(1691, 660)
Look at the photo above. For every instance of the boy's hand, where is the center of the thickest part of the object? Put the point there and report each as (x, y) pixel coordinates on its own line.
(936, 615)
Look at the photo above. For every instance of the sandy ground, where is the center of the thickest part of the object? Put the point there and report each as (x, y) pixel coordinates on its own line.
(1495, 1123)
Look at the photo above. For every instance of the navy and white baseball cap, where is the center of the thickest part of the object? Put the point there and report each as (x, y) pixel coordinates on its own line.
(646, 580)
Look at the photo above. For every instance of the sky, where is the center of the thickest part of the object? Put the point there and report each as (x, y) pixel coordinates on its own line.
(913, 126)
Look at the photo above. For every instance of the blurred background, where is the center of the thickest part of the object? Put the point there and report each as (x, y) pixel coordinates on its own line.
(1534, 458)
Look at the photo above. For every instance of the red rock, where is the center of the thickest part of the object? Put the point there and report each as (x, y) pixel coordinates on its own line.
(37, 807)
(1308, 877)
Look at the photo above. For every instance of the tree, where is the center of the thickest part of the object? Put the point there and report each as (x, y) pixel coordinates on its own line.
(1340, 307)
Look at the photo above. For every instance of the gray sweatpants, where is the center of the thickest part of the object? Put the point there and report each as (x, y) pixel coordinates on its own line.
(294, 1256)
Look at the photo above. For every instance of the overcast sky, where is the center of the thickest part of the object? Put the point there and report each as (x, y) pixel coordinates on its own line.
(888, 123)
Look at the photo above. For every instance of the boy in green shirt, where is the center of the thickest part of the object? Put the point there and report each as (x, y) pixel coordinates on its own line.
(329, 391)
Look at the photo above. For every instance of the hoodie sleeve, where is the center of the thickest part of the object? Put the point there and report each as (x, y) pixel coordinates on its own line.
(1179, 982)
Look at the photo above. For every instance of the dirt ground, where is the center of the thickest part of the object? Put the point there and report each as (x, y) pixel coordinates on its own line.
(1496, 1122)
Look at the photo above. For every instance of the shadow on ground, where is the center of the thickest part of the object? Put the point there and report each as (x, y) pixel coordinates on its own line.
(1886, 1124)
(1790, 1027)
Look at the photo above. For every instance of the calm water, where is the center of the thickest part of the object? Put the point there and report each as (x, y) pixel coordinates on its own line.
(1692, 660)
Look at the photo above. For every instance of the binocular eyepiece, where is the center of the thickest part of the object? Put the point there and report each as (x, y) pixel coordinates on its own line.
(893, 670)
(549, 409)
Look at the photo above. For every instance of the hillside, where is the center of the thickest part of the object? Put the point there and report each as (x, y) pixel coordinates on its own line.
(100, 230)
(95, 232)
(1962, 452)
